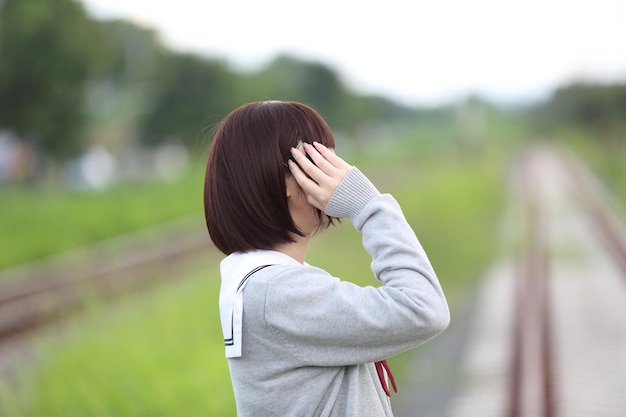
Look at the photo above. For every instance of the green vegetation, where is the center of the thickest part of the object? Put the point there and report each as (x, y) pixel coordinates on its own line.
(160, 353)
(154, 354)
(114, 84)
(44, 222)
(48, 50)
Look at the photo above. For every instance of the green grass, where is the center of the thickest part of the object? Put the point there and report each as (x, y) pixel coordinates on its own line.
(160, 353)
(154, 354)
(36, 223)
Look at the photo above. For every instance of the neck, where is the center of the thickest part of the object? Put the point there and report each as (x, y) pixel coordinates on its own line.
(296, 250)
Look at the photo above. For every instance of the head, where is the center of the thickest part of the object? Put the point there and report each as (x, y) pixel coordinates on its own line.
(245, 193)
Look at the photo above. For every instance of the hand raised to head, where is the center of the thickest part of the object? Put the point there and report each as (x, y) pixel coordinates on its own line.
(318, 179)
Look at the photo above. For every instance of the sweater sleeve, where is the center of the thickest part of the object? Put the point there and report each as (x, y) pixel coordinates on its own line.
(328, 322)
(354, 192)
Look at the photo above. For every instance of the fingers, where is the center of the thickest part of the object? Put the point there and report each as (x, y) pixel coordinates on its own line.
(330, 156)
(320, 178)
(300, 176)
(326, 164)
(308, 186)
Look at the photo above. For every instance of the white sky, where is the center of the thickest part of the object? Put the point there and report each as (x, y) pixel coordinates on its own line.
(417, 52)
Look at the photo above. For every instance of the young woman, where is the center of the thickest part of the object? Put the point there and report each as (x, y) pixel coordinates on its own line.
(299, 341)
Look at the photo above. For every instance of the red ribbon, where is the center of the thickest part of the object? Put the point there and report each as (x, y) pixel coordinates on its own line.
(381, 375)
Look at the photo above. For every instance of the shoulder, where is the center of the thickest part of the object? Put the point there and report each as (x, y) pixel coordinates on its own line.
(285, 277)
(282, 285)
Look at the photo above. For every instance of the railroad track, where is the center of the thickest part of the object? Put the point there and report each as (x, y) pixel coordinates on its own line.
(531, 380)
(546, 336)
(602, 212)
(33, 296)
(553, 348)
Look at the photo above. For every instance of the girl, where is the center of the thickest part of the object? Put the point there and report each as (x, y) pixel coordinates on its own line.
(299, 341)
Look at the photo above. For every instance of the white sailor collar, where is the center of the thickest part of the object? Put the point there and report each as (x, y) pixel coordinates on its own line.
(233, 270)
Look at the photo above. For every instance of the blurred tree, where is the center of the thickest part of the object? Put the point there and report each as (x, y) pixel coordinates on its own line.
(134, 52)
(290, 78)
(597, 109)
(194, 93)
(120, 97)
(48, 51)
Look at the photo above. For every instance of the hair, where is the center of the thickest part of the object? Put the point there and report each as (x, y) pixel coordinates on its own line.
(245, 196)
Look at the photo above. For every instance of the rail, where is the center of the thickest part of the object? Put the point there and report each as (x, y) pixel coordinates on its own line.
(49, 291)
(534, 388)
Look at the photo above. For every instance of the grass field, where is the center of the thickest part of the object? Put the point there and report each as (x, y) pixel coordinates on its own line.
(160, 353)
(36, 223)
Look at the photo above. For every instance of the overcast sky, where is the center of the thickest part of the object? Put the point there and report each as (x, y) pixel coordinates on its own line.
(418, 52)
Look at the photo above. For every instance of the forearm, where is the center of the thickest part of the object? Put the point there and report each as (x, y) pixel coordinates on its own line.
(399, 261)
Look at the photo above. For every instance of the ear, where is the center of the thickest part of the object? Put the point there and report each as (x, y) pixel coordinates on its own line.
(291, 186)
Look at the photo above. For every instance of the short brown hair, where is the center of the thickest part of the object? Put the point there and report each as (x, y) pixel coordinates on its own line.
(245, 202)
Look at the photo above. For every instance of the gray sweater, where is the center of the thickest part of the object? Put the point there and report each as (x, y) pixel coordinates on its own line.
(309, 340)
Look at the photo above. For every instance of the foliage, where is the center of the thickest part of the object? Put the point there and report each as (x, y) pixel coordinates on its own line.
(289, 78)
(48, 51)
(43, 223)
(597, 109)
(53, 57)
(295, 79)
(194, 93)
(68, 82)
(133, 52)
